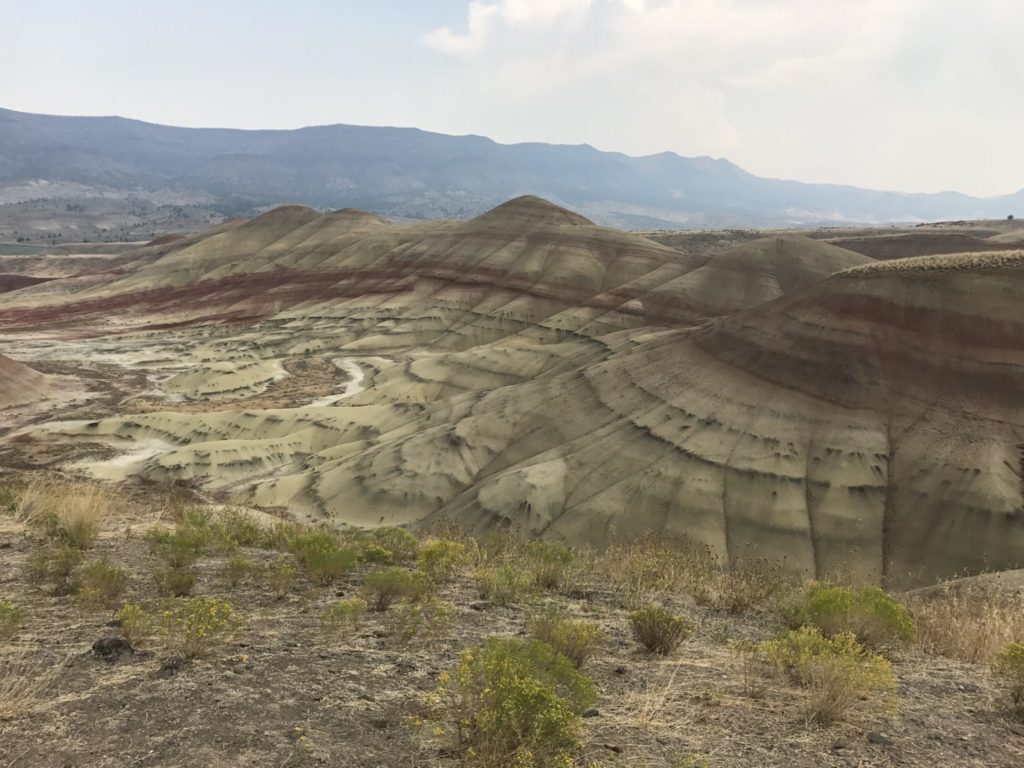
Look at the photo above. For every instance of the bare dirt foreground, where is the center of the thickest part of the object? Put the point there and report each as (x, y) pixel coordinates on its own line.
(282, 692)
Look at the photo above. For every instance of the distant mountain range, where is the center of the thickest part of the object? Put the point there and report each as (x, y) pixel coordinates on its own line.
(407, 172)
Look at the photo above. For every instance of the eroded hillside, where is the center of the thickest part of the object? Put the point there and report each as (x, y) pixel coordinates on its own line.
(527, 367)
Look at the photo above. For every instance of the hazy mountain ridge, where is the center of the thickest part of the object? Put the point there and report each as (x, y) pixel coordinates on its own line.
(414, 173)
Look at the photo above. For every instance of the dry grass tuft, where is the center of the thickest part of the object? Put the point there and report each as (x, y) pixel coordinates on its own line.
(970, 622)
(24, 682)
(71, 513)
(649, 707)
(650, 566)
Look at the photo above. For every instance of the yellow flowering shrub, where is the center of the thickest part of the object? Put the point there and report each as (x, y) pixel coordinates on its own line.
(400, 545)
(323, 557)
(515, 702)
(195, 626)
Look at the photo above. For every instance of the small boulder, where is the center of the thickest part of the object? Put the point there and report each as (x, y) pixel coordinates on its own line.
(876, 737)
(110, 649)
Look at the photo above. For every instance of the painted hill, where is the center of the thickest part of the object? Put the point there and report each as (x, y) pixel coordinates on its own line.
(762, 270)
(528, 367)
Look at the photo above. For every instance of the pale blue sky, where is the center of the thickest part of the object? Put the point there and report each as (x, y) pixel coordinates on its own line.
(917, 95)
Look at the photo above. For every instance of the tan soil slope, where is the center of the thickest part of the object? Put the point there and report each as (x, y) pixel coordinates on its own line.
(907, 245)
(19, 384)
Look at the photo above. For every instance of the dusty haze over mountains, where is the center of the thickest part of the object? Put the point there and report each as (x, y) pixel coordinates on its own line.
(67, 176)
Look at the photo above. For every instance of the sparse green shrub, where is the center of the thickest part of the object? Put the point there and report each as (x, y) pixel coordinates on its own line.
(342, 615)
(836, 670)
(100, 582)
(195, 626)
(659, 630)
(239, 527)
(752, 663)
(11, 619)
(440, 558)
(399, 542)
(576, 639)
(384, 588)
(747, 583)
(494, 547)
(79, 532)
(301, 755)
(281, 577)
(516, 703)
(322, 556)
(136, 623)
(422, 623)
(280, 536)
(1010, 666)
(9, 496)
(375, 554)
(199, 524)
(178, 548)
(237, 569)
(506, 584)
(875, 618)
(549, 561)
(173, 582)
(55, 568)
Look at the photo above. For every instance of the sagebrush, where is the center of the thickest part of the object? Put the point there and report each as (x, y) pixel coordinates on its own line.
(837, 671)
(515, 702)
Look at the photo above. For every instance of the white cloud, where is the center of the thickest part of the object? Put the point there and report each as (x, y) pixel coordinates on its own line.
(515, 13)
(868, 92)
(528, 11)
(480, 15)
